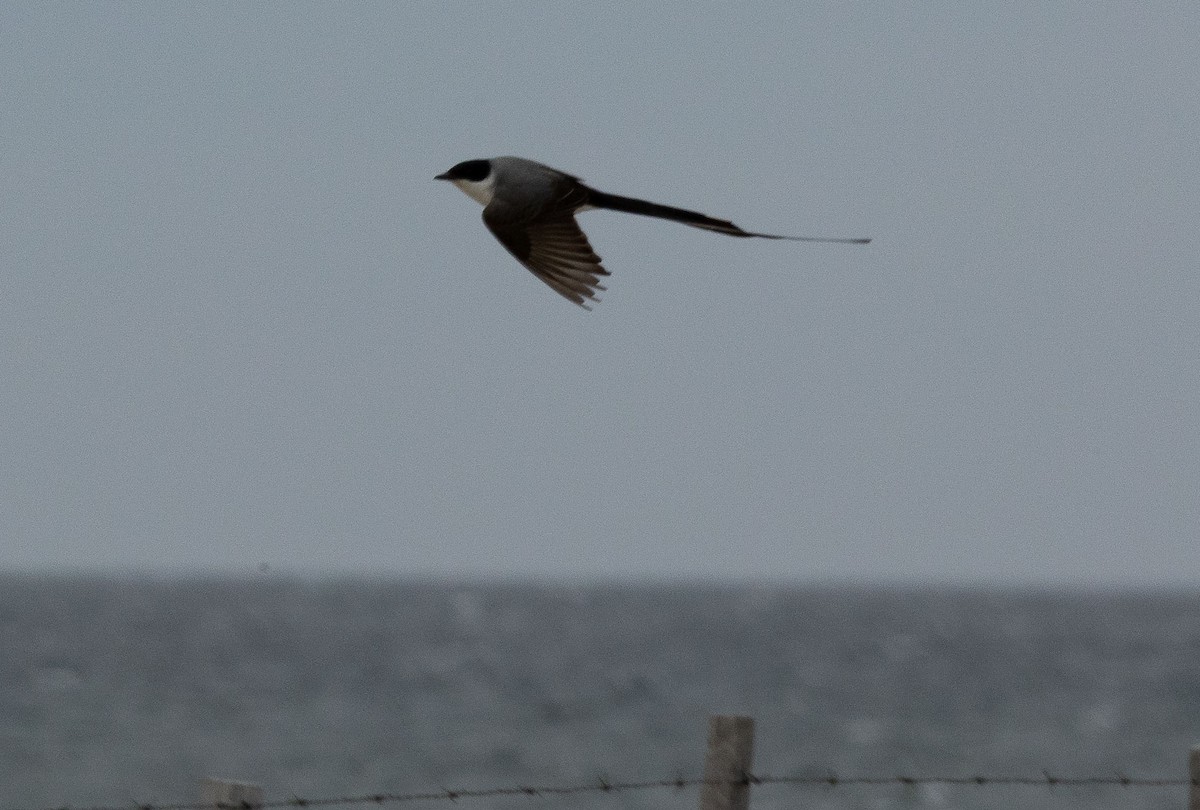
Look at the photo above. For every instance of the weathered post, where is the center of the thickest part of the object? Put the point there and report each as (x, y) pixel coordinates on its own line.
(728, 763)
(1194, 778)
(223, 793)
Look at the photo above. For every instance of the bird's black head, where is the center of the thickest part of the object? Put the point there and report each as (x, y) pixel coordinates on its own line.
(473, 170)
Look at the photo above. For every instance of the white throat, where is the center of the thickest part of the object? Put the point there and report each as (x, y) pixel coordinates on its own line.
(478, 190)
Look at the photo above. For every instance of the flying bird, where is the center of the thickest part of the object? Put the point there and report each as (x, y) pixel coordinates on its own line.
(531, 209)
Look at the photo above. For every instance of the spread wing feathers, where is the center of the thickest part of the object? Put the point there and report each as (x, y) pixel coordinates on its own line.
(557, 252)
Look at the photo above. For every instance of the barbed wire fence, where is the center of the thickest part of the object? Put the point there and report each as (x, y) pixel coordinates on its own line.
(728, 778)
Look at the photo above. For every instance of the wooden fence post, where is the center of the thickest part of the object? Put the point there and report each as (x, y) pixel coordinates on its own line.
(223, 793)
(728, 763)
(1194, 778)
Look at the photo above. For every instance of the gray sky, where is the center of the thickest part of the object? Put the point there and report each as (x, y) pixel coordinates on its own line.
(240, 324)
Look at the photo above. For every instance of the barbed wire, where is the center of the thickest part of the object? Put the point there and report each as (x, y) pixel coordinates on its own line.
(829, 781)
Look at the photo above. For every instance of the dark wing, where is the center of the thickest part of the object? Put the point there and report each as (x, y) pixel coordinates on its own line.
(554, 247)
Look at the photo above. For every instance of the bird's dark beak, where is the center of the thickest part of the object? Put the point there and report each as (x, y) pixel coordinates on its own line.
(443, 176)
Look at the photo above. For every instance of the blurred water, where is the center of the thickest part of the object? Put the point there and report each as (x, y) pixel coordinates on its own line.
(134, 689)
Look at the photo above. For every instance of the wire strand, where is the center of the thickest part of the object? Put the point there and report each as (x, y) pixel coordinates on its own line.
(828, 781)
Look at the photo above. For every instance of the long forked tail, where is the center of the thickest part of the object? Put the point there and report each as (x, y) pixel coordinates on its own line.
(629, 205)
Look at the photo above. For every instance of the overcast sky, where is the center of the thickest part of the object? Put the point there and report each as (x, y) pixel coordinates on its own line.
(241, 325)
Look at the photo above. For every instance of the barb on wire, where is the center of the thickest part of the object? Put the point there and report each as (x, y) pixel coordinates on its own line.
(603, 785)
